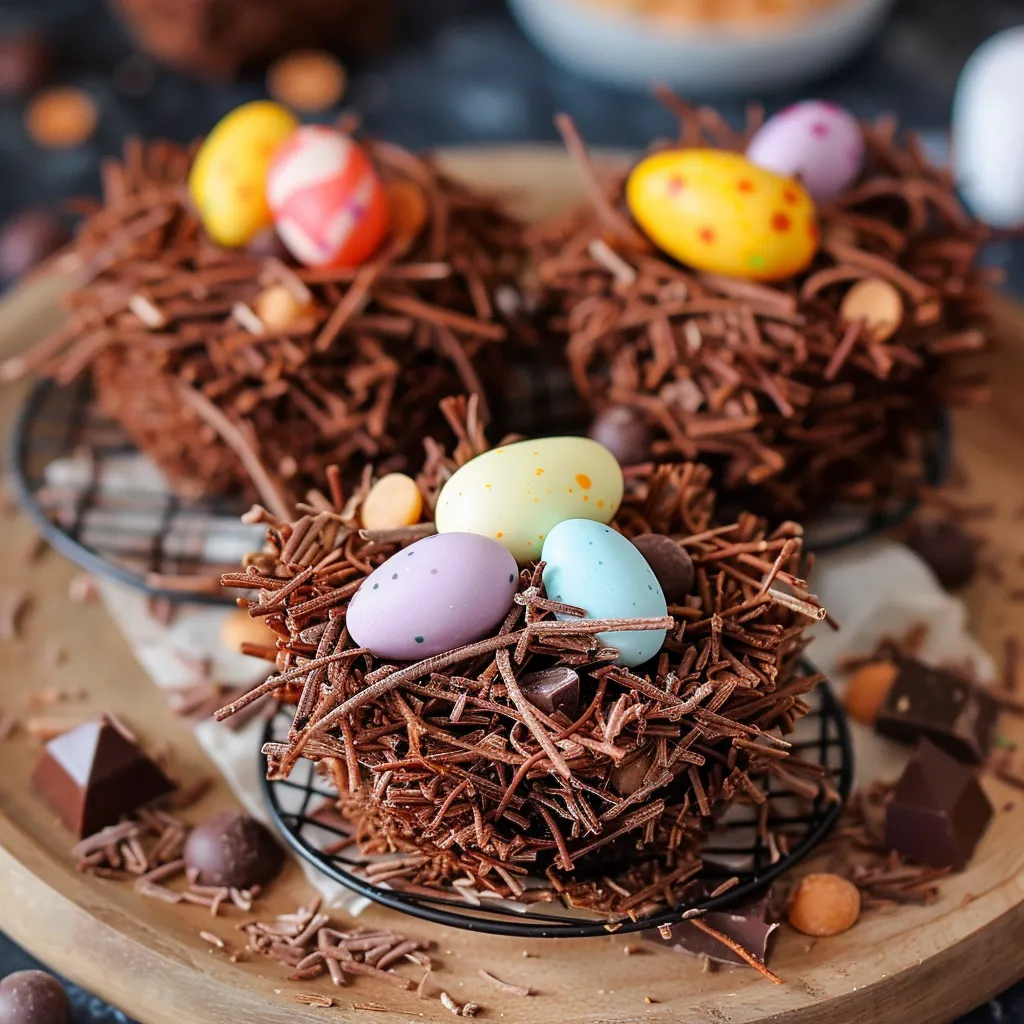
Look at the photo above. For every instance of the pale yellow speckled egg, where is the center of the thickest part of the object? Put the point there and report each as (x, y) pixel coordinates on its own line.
(517, 493)
(228, 180)
(718, 212)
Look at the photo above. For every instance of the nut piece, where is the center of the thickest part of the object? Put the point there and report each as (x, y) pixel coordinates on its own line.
(307, 80)
(60, 118)
(823, 904)
(279, 309)
(394, 501)
(878, 304)
(867, 689)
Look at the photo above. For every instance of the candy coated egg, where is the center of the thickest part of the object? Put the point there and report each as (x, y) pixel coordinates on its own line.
(515, 494)
(717, 212)
(988, 130)
(589, 565)
(227, 182)
(437, 594)
(394, 501)
(329, 206)
(817, 142)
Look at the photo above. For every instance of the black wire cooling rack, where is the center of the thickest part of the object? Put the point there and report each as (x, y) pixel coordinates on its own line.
(302, 807)
(110, 511)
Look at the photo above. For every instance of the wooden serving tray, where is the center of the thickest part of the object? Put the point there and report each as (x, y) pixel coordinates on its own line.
(914, 965)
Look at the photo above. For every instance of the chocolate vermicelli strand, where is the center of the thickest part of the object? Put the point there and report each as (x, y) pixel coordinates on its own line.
(794, 408)
(165, 322)
(447, 763)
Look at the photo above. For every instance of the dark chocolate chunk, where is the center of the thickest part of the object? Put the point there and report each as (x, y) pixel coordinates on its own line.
(746, 924)
(93, 775)
(938, 811)
(552, 689)
(670, 562)
(931, 702)
(233, 849)
(33, 997)
(267, 242)
(628, 777)
(27, 239)
(26, 64)
(624, 432)
(950, 551)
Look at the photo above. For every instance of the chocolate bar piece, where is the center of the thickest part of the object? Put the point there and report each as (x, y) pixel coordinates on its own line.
(946, 709)
(938, 811)
(552, 689)
(746, 924)
(94, 774)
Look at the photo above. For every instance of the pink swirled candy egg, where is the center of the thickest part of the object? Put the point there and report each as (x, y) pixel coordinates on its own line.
(817, 142)
(330, 208)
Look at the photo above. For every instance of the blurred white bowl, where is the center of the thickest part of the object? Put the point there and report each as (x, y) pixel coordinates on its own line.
(633, 51)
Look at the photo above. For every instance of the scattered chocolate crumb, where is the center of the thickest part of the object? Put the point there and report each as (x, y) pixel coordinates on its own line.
(13, 606)
(504, 986)
(314, 999)
(83, 588)
(46, 729)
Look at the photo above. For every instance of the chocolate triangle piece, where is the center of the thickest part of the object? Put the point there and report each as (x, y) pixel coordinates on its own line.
(938, 811)
(94, 775)
(747, 924)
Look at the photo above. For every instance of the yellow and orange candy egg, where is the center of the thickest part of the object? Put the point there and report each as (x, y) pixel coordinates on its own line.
(329, 206)
(717, 212)
(227, 183)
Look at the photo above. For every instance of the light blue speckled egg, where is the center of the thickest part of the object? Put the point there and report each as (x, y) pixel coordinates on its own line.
(591, 566)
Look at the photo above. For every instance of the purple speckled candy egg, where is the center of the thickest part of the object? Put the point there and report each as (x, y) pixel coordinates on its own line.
(439, 593)
(817, 142)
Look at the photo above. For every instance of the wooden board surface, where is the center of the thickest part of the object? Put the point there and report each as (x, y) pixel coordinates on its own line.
(911, 966)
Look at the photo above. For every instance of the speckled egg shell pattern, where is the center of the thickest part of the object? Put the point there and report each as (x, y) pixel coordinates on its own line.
(589, 565)
(515, 494)
(718, 212)
(437, 594)
(818, 142)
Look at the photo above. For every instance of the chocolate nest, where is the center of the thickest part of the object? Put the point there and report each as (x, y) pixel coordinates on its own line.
(447, 764)
(163, 320)
(793, 408)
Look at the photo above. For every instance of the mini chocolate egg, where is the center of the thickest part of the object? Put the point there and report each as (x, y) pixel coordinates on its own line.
(227, 182)
(717, 212)
(515, 494)
(589, 565)
(817, 142)
(329, 206)
(444, 591)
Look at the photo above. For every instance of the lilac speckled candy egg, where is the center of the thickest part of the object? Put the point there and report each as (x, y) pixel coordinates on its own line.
(818, 142)
(439, 593)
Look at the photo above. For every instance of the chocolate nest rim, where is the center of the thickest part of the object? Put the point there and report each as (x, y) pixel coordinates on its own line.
(703, 722)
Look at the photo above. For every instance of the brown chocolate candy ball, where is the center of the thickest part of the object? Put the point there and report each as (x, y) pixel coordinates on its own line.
(624, 432)
(233, 849)
(669, 562)
(950, 551)
(26, 64)
(27, 239)
(33, 997)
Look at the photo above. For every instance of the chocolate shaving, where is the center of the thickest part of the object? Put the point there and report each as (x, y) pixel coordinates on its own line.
(796, 409)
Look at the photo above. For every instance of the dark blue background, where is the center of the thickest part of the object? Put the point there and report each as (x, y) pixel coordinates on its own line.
(462, 73)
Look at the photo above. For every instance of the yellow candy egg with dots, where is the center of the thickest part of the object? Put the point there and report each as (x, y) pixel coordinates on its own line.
(228, 179)
(718, 212)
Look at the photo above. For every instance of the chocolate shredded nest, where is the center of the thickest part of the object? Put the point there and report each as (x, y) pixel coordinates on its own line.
(164, 321)
(794, 408)
(446, 763)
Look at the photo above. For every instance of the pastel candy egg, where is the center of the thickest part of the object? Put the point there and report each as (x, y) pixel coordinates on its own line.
(717, 212)
(591, 566)
(329, 206)
(988, 130)
(515, 494)
(817, 142)
(394, 501)
(437, 594)
(227, 182)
